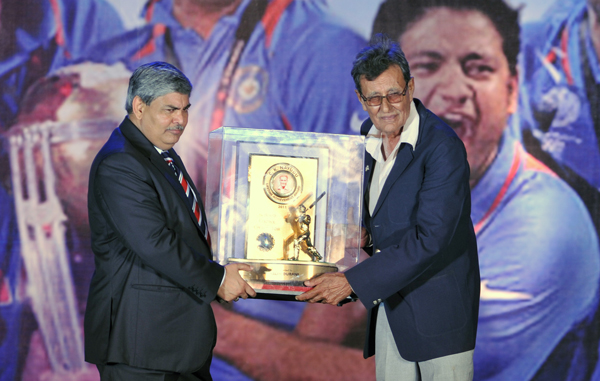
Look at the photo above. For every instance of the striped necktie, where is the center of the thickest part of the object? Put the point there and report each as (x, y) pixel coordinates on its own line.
(189, 192)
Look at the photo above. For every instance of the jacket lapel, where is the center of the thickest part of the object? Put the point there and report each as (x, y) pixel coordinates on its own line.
(368, 175)
(403, 159)
(169, 174)
(135, 136)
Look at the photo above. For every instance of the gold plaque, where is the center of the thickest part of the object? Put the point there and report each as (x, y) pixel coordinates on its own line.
(278, 187)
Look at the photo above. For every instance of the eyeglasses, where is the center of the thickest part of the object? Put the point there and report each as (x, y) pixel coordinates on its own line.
(391, 98)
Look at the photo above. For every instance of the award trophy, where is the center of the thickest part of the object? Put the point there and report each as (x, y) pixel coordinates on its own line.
(286, 203)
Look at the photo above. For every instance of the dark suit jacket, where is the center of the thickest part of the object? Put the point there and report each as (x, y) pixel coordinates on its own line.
(149, 299)
(426, 271)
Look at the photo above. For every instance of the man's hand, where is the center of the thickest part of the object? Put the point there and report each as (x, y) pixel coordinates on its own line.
(365, 238)
(234, 287)
(330, 288)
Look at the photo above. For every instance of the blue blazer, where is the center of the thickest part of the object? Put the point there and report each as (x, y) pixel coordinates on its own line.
(424, 265)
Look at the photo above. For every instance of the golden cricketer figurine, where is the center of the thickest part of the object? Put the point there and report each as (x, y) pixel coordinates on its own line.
(300, 221)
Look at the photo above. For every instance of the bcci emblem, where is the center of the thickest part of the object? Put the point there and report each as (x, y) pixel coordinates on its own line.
(282, 183)
(249, 87)
(265, 241)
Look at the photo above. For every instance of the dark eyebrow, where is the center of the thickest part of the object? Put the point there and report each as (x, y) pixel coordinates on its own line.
(438, 56)
(377, 94)
(493, 61)
(177, 108)
(473, 56)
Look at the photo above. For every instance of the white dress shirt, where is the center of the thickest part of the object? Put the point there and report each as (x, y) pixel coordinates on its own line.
(382, 167)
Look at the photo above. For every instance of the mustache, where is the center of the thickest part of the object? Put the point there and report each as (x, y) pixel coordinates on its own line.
(178, 127)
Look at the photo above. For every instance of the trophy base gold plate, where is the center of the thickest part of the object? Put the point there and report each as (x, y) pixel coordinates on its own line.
(281, 279)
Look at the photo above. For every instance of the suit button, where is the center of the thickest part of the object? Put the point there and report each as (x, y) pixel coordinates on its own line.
(377, 250)
(375, 302)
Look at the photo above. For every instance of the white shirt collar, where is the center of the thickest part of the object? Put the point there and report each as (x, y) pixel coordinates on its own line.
(409, 135)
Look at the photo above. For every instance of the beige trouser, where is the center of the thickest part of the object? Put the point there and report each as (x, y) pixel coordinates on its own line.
(391, 366)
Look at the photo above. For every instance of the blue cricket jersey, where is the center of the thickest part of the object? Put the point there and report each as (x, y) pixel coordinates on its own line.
(293, 74)
(540, 269)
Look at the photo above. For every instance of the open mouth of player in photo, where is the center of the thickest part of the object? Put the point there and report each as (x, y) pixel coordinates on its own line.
(463, 125)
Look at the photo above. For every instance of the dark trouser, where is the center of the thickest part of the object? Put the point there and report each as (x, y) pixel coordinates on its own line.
(122, 372)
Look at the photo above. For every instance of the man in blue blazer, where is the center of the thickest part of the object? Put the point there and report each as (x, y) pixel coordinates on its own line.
(421, 284)
(148, 314)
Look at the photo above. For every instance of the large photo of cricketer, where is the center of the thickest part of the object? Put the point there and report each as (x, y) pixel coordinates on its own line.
(538, 250)
(295, 324)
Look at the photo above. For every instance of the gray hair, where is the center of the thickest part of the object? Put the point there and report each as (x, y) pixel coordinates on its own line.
(153, 80)
(377, 58)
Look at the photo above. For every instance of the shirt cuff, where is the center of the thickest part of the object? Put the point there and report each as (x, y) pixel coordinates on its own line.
(223, 280)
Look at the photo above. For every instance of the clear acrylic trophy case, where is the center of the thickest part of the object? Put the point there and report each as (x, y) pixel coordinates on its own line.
(287, 203)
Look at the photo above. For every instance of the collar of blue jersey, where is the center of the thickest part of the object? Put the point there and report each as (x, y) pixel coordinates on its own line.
(492, 181)
(163, 14)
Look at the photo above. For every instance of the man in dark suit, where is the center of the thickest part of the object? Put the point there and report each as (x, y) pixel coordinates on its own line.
(148, 314)
(421, 284)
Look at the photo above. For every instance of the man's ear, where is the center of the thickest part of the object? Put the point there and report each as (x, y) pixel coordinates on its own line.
(411, 88)
(138, 106)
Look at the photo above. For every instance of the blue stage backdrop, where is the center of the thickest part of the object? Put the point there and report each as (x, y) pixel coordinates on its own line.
(519, 82)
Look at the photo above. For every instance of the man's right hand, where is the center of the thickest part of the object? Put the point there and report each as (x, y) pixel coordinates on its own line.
(234, 286)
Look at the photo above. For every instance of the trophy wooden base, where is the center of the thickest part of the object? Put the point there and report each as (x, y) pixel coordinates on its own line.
(281, 280)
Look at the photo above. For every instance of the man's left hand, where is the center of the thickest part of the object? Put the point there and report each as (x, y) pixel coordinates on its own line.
(330, 288)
